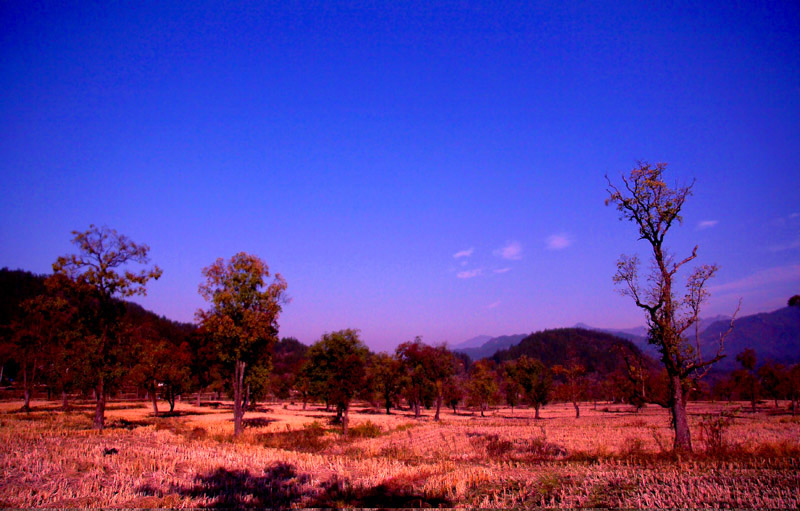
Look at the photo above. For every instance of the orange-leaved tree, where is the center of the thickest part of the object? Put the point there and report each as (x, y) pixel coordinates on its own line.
(241, 319)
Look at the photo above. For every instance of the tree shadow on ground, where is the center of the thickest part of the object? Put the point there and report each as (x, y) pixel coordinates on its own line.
(179, 413)
(390, 494)
(280, 486)
(257, 422)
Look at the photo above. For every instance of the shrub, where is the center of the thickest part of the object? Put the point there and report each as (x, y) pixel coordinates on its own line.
(713, 431)
(365, 430)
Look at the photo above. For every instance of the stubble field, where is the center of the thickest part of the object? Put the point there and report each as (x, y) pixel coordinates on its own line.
(289, 457)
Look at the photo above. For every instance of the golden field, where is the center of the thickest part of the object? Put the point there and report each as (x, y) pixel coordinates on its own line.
(289, 457)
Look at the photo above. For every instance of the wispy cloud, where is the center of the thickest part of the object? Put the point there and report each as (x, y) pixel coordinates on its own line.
(558, 242)
(464, 253)
(794, 215)
(786, 246)
(468, 274)
(706, 224)
(502, 270)
(759, 279)
(511, 251)
(493, 305)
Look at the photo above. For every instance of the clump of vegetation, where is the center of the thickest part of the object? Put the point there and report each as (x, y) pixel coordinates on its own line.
(714, 431)
(366, 429)
(311, 438)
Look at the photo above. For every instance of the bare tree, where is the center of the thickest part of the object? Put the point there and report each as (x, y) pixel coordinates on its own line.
(646, 200)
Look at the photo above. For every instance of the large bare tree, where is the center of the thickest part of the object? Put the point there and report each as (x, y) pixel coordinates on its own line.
(646, 200)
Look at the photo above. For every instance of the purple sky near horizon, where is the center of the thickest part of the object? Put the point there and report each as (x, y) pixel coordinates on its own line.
(432, 169)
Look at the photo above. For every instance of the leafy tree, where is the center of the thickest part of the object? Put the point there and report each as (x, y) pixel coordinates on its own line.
(454, 391)
(103, 255)
(288, 356)
(510, 386)
(415, 358)
(746, 380)
(386, 378)
(574, 385)
(35, 334)
(536, 381)
(772, 377)
(153, 355)
(257, 383)
(647, 201)
(441, 369)
(16, 286)
(794, 301)
(793, 386)
(482, 385)
(241, 318)
(340, 360)
(163, 366)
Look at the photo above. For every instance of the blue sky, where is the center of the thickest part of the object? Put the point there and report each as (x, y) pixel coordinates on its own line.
(410, 168)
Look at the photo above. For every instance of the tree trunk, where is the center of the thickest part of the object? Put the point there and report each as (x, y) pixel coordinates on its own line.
(246, 400)
(198, 399)
(100, 409)
(680, 422)
(416, 409)
(238, 410)
(577, 409)
(64, 400)
(482, 415)
(388, 406)
(171, 399)
(154, 398)
(345, 419)
(26, 389)
(438, 407)
(536, 407)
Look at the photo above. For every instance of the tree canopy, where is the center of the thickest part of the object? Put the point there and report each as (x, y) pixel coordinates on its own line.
(242, 317)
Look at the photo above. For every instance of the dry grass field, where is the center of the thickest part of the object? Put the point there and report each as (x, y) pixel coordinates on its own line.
(288, 457)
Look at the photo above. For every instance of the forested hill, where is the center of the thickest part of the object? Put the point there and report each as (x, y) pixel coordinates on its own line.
(595, 350)
(16, 286)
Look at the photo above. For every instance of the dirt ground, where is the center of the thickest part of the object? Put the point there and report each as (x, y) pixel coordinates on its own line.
(289, 457)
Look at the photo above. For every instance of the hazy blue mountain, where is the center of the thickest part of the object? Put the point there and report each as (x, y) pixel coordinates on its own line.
(474, 342)
(491, 346)
(773, 335)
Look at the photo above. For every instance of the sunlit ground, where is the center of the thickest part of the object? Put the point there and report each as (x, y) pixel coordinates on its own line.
(290, 457)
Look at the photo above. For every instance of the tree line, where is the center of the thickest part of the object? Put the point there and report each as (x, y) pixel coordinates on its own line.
(75, 331)
(50, 341)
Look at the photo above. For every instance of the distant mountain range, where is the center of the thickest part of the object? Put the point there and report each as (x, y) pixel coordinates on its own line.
(773, 335)
(474, 342)
(489, 347)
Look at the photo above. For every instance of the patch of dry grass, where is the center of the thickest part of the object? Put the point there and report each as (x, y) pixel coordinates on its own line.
(289, 457)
